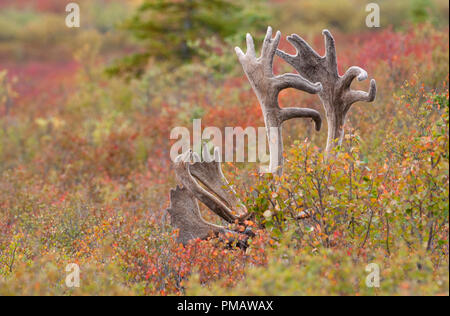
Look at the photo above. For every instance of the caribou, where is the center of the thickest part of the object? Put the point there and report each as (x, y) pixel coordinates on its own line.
(201, 178)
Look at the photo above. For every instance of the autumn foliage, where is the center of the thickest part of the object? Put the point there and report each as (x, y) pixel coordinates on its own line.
(85, 174)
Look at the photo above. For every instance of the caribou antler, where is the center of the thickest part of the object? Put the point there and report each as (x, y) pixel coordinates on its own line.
(220, 198)
(209, 173)
(185, 216)
(267, 87)
(337, 96)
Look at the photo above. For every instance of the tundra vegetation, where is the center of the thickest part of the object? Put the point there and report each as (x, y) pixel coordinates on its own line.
(86, 175)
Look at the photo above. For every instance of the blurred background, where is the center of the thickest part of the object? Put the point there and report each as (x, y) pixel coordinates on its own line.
(34, 39)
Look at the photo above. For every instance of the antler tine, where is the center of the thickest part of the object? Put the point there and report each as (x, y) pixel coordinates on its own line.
(250, 53)
(290, 113)
(217, 155)
(206, 154)
(290, 59)
(286, 81)
(350, 75)
(354, 96)
(269, 48)
(330, 51)
(250, 46)
(267, 40)
(196, 157)
(304, 51)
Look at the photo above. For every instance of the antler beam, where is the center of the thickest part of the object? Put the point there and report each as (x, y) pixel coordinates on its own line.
(337, 97)
(267, 87)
